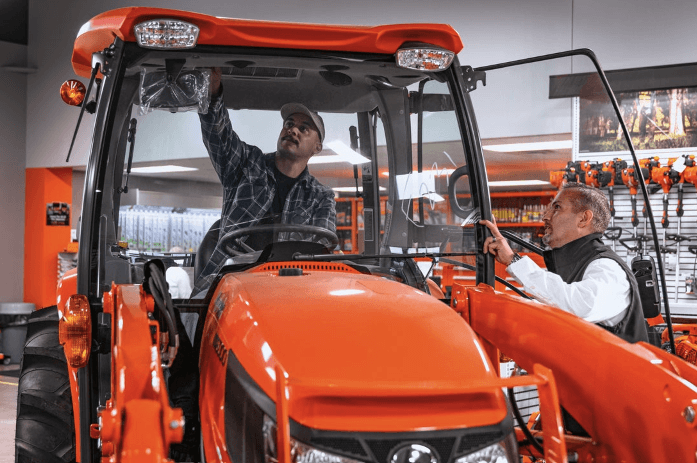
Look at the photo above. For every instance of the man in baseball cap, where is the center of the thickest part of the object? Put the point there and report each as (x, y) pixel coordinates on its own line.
(258, 189)
(292, 108)
(300, 138)
(265, 188)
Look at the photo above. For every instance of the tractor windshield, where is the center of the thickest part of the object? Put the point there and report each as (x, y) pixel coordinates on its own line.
(378, 186)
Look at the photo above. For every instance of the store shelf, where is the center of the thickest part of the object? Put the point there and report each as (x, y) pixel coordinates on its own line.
(522, 211)
(347, 223)
(349, 214)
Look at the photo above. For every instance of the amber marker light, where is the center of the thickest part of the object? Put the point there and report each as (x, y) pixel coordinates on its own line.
(73, 92)
(75, 330)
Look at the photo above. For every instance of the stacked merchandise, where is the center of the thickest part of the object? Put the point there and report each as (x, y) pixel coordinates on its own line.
(529, 213)
(160, 229)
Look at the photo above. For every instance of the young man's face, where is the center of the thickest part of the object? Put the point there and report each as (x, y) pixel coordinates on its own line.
(299, 137)
(561, 222)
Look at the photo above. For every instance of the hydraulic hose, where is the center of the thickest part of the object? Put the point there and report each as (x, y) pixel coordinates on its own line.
(155, 284)
(523, 427)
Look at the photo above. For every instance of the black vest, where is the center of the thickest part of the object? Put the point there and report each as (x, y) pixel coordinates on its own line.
(570, 262)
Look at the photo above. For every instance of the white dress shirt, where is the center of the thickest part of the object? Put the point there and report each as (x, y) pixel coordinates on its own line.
(179, 283)
(602, 296)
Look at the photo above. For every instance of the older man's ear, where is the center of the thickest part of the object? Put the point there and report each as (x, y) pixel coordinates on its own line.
(586, 219)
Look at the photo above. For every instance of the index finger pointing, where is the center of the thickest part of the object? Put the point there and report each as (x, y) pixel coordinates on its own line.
(492, 228)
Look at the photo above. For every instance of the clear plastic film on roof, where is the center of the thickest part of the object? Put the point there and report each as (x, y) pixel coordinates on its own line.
(189, 91)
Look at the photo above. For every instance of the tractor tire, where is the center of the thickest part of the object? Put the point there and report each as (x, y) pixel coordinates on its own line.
(45, 426)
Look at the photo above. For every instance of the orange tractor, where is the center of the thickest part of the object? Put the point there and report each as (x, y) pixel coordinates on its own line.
(297, 352)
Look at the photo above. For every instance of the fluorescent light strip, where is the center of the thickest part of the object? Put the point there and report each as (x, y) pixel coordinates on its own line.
(518, 182)
(343, 154)
(161, 169)
(495, 183)
(533, 146)
(436, 172)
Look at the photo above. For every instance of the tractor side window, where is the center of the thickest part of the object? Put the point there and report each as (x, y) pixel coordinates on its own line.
(437, 154)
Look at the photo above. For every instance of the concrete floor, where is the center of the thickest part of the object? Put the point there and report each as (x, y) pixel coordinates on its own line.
(8, 410)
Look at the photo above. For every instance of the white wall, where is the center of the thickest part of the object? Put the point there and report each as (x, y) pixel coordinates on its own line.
(12, 160)
(491, 32)
(623, 34)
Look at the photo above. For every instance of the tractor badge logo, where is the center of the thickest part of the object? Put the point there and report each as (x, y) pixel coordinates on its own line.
(413, 453)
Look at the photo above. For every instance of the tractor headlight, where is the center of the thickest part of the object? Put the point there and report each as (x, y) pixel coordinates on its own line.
(299, 452)
(424, 59)
(505, 451)
(166, 33)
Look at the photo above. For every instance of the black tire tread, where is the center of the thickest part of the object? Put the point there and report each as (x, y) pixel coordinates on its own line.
(45, 428)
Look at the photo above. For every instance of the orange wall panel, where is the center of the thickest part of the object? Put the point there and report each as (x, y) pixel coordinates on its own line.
(42, 242)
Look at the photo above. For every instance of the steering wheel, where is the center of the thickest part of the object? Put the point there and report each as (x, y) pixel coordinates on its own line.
(231, 237)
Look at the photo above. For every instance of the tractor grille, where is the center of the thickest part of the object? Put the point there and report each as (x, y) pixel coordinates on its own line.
(472, 442)
(342, 445)
(381, 449)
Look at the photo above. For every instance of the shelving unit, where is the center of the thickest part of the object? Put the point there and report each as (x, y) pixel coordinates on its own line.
(526, 209)
(349, 220)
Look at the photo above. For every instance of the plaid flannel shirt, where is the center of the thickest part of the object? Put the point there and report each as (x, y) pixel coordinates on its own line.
(249, 186)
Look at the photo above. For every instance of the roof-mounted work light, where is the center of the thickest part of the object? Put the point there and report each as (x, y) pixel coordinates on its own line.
(424, 59)
(166, 33)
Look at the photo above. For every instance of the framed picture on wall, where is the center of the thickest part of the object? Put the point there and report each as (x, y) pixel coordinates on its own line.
(656, 120)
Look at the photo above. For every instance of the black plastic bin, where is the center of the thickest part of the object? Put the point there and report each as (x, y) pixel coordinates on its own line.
(13, 329)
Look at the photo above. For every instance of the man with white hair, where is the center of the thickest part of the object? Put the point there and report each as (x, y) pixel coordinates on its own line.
(583, 276)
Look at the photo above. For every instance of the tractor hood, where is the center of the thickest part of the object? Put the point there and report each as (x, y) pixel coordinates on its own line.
(360, 352)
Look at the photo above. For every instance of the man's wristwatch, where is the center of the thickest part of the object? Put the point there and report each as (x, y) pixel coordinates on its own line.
(516, 258)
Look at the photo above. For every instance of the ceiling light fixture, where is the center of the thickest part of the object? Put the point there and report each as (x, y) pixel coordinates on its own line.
(161, 169)
(343, 154)
(518, 183)
(436, 172)
(532, 146)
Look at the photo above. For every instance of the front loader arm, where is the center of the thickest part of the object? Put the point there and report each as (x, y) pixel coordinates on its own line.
(138, 423)
(635, 401)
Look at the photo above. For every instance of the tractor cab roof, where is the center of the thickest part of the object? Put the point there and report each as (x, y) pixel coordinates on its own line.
(100, 32)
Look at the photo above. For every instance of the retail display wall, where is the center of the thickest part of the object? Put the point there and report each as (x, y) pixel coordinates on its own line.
(679, 263)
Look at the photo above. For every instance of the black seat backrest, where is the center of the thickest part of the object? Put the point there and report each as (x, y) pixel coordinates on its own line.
(206, 248)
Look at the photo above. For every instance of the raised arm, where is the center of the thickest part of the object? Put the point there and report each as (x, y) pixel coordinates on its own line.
(226, 150)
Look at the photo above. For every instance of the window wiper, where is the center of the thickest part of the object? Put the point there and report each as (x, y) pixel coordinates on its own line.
(86, 106)
(131, 141)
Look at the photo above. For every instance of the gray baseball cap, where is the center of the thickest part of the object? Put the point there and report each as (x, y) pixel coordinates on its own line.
(293, 108)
